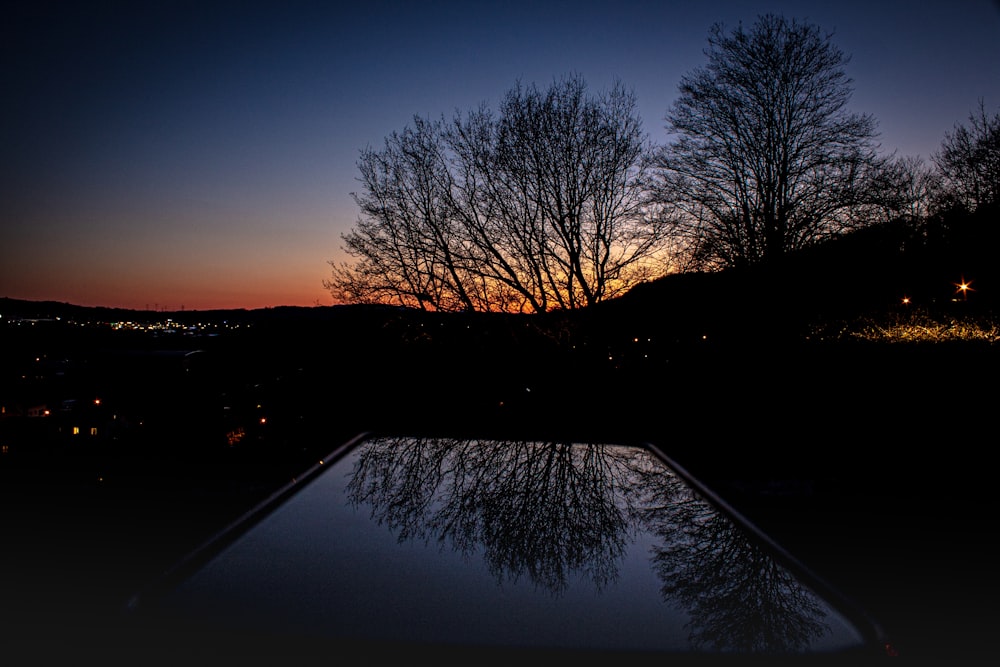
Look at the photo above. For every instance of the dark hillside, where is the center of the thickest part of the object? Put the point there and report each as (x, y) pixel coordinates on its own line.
(867, 272)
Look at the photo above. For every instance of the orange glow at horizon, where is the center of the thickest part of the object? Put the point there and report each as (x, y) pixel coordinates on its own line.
(146, 294)
(221, 269)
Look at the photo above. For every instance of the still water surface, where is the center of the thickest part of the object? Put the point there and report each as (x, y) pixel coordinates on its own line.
(526, 544)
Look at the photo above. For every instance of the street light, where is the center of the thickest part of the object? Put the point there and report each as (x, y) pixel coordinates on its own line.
(964, 287)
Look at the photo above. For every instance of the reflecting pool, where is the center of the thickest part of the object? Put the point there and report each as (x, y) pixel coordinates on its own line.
(514, 544)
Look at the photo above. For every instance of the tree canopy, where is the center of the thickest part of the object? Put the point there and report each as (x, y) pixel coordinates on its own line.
(765, 156)
(542, 205)
(969, 162)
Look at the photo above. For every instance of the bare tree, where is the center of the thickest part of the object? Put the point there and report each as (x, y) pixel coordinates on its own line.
(969, 162)
(406, 232)
(765, 157)
(541, 206)
(911, 187)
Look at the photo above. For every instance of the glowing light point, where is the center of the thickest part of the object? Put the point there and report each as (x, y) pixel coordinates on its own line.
(964, 287)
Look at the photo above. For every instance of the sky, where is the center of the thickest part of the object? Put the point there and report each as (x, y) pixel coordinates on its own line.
(176, 155)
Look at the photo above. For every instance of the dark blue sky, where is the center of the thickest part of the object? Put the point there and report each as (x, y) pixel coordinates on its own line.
(202, 155)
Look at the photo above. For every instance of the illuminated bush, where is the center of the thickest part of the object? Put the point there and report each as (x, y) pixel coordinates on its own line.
(914, 325)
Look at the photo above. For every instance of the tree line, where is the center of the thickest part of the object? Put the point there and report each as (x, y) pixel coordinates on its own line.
(558, 200)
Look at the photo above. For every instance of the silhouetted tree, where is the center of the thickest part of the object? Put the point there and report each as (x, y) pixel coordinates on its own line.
(969, 162)
(911, 188)
(765, 157)
(538, 207)
(406, 232)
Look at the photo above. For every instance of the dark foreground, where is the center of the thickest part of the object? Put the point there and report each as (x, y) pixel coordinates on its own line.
(869, 463)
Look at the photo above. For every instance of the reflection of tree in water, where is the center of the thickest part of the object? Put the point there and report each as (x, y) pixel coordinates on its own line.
(551, 511)
(739, 597)
(541, 510)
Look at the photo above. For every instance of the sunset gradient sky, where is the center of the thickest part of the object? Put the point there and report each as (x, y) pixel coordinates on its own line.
(200, 155)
